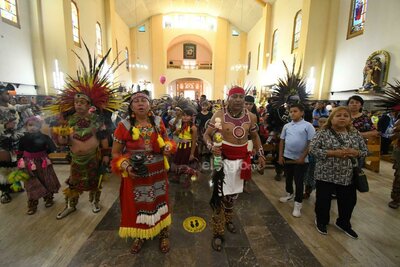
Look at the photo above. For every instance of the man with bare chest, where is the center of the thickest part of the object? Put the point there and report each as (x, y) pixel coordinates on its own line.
(233, 124)
(86, 133)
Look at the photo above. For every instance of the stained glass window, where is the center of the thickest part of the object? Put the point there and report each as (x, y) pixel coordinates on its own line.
(9, 12)
(358, 11)
(75, 24)
(296, 31)
(274, 49)
(99, 40)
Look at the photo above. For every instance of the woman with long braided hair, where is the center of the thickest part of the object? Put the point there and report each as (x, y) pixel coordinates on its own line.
(139, 155)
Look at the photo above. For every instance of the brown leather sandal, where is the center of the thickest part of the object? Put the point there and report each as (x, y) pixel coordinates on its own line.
(137, 245)
(164, 245)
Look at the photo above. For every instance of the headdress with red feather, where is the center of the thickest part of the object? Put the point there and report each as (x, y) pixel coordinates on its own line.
(92, 84)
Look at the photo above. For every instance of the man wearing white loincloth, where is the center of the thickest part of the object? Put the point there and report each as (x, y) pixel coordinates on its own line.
(235, 124)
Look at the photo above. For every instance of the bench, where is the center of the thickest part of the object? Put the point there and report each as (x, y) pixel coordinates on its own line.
(372, 161)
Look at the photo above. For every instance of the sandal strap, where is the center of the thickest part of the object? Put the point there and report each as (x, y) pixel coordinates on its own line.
(137, 245)
(164, 244)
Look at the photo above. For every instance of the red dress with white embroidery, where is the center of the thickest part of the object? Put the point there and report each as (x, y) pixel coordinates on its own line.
(144, 200)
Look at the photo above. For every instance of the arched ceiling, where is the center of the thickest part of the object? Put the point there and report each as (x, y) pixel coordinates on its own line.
(243, 14)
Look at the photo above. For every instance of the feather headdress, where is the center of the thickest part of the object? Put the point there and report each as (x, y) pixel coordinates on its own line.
(164, 102)
(92, 84)
(185, 105)
(391, 97)
(291, 89)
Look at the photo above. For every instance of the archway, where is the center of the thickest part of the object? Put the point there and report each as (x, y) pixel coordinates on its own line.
(189, 51)
(189, 87)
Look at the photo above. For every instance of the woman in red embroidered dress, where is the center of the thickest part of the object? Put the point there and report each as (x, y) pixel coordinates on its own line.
(139, 156)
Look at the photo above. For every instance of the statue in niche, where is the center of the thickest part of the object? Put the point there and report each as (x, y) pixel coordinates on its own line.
(375, 71)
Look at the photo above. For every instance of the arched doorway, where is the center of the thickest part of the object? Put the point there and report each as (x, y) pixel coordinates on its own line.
(189, 51)
(191, 88)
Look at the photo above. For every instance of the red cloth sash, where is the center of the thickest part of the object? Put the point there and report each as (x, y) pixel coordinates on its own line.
(239, 152)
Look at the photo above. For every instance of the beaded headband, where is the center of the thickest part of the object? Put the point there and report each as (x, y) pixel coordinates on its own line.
(138, 95)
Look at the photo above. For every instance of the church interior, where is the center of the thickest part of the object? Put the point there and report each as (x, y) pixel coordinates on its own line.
(191, 48)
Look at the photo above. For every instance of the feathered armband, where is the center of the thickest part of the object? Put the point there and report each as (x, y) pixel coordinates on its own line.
(120, 164)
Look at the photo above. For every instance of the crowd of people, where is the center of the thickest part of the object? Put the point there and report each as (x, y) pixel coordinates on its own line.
(155, 142)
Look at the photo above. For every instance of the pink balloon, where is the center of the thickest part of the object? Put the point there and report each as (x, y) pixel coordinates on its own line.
(162, 79)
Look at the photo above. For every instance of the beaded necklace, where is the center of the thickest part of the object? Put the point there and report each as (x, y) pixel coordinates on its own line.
(237, 115)
(145, 132)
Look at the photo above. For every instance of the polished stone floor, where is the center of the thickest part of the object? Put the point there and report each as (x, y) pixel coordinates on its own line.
(264, 238)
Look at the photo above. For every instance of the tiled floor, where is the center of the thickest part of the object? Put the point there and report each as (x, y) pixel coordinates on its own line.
(263, 239)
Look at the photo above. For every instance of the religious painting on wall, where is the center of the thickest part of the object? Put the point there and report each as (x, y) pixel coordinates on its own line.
(358, 10)
(376, 71)
(189, 51)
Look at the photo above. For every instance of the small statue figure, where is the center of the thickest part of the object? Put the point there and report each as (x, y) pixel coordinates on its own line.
(217, 143)
(368, 70)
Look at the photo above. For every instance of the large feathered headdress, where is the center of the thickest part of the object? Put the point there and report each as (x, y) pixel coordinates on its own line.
(391, 97)
(92, 84)
(185, 105)
(291, 89)
(164, 102)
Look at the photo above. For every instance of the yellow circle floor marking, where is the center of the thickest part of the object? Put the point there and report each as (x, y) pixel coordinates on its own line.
(194, 224)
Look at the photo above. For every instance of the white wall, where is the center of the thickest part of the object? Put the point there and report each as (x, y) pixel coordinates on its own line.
(282, 19)
(234, 50)
(16, 53)
(381, 32)
(255, 37)
(123, 75)
(141, 53)
(90, 12)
